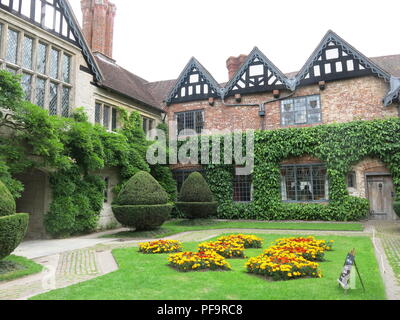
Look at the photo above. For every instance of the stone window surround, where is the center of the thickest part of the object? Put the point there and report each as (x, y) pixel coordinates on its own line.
(33, 71)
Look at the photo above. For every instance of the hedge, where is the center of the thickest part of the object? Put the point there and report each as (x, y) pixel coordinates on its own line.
(12, 232)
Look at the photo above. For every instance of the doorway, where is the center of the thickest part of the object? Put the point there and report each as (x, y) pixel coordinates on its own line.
(381, 196)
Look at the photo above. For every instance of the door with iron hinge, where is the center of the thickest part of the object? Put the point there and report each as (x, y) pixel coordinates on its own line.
(381, 197)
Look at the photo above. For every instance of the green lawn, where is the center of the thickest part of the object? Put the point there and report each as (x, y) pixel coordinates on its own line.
(148, 277)
(177, 226)
(14, 267)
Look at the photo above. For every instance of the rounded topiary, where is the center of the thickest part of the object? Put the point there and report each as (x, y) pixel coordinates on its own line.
(12, 232)
(12, 226)
(7, 202)
(196, 200)
(142, 203)
(396, 207)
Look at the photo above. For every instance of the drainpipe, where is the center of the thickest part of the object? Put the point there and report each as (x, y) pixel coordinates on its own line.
(261, 106)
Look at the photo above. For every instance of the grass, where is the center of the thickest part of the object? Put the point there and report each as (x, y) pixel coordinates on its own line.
(148, 277)
(14, 267)
(177, 226)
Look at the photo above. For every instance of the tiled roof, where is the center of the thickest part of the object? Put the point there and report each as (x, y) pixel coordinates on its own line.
(122, 81)
(153, 94)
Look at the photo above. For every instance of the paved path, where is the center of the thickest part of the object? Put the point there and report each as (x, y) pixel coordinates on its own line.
(75, 260)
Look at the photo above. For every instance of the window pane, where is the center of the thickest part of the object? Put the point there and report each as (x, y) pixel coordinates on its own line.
(97, 113)
(114, 120)
(106, 117)
(181, 122)
(66, 68)
(41, 53)
(40, 92)
(304, 110)
(199, 121)
(304, 183)
(65, 102)
(242, 189)
(12, 46)
(53, 99)
(26, 83)
(27, 53)
(54, 63)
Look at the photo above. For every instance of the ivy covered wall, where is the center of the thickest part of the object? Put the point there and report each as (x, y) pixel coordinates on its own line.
(338, 146)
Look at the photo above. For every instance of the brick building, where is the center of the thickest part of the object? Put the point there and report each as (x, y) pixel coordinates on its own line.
(63, 67)
(336, 84)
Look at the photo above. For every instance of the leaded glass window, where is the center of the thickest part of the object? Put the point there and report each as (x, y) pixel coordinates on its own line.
(27, 53)
(66, 68)
(53, 99)
(26, 83)
(114, 119)
(97, 113)
(304, 183)
(12, 46)
(303, 110)
(40, 91)
(65, 102)
(106, 117)
(242, 188)
(190, 120)
(41, 58)
(54, 56)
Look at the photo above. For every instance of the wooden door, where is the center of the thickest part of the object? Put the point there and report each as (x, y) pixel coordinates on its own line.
(381, 197)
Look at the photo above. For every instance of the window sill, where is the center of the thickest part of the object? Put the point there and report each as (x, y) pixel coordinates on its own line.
(307, 202)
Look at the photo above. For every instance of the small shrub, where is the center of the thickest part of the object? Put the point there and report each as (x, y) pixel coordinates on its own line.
(196, 200)
(12, 232)
(7, 202)
(142, 203)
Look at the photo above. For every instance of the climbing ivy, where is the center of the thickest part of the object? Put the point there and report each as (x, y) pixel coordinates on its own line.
(338, 146)
(73, 150)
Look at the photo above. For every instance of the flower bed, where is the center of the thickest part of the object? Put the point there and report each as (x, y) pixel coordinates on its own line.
(226, 249)
(195, 261)
(249, 241)
(291, 258)
(160, 246)
(283, 266)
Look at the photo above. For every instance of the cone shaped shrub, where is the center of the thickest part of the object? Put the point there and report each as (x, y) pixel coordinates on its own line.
(196, 200)
(142, 203)
(12, 226)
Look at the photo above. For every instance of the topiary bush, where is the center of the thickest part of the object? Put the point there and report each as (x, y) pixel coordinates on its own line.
(7, 202)
(396, 207)
(142, 203)
(12, 226)
(196, 200)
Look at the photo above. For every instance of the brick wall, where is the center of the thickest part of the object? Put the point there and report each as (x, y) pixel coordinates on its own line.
(341, 101)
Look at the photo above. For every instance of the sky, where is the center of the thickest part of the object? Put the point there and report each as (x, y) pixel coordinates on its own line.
(156, 38)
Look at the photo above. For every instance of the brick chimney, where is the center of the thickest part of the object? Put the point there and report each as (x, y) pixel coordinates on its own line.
(98, 25)
(234, 63)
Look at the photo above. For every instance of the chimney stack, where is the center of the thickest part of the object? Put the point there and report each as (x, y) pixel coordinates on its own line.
(98, 25)
(234, 63)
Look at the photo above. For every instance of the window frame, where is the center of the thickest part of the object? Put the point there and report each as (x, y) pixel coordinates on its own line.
(195, 124)
(113, 111)
(248, 180)
(307, 98)
(310, 166)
